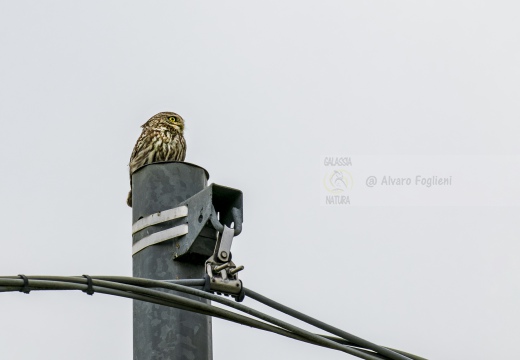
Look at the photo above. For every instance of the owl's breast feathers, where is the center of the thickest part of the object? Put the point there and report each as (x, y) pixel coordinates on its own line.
(158, 144)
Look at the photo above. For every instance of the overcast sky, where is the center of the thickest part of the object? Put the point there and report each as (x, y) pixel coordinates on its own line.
(267, 89)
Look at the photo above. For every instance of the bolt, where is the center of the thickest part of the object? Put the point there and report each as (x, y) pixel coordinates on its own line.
(221, 267)
(237, 269)
(223, 254)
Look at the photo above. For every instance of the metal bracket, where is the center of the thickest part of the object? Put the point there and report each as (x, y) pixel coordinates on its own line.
(196, 222)
(221, 273)
(203, 222)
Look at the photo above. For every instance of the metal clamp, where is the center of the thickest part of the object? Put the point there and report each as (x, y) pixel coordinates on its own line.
(221, 273)
(237, 220)
(193, 223)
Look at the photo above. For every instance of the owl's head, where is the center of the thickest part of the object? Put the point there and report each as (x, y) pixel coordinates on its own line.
(167, 119)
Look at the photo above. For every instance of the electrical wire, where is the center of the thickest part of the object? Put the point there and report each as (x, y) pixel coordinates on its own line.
(167, 299)
(168, 285)
(138, 289)
(347, 338)
(346, 342)
(321, 325)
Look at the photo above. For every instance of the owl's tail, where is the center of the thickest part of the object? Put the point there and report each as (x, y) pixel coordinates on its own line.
(129, 198)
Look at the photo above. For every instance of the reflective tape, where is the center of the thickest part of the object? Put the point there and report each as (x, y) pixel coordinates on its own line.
(160, 217)
(159, 237)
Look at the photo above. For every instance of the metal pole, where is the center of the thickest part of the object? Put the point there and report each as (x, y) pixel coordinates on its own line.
(161, 332)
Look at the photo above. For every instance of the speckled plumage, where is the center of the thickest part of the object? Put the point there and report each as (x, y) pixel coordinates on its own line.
(161, 140)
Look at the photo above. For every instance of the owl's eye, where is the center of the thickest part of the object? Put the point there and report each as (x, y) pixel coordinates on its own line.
(171, 118)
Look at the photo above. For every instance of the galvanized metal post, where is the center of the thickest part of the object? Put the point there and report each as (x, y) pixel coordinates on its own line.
(161, 332)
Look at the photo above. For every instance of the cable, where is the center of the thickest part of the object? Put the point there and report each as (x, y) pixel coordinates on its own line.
(137, 288)
(320, 324)
(188, 282)
(56, 285)
(346, 342)
(102, 286)
(200, 282)
(250, 311)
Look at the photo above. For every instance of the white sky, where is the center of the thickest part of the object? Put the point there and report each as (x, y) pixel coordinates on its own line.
(266, 89)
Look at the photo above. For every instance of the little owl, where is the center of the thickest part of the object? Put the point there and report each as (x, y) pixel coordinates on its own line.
(161, 140)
